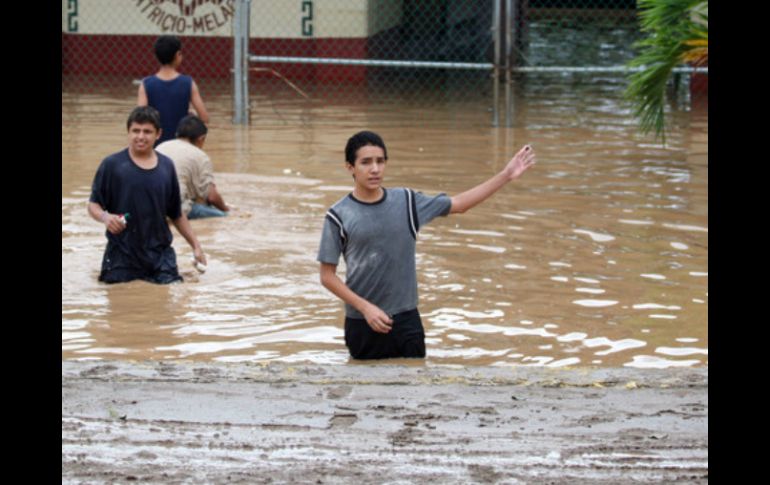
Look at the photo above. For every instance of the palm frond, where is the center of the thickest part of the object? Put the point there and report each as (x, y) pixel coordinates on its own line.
(697, 57)
(673, 37)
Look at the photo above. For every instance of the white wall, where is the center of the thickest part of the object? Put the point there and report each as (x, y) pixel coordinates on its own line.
(269, 18)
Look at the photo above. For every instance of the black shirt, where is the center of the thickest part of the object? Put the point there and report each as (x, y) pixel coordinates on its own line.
(148, 196)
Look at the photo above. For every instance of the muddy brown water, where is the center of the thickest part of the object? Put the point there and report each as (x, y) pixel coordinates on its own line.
(598, 256)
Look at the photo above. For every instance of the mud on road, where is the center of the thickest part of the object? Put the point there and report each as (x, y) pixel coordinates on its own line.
(189, 422)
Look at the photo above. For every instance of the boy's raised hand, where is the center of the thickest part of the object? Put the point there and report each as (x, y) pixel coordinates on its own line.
(520, 162)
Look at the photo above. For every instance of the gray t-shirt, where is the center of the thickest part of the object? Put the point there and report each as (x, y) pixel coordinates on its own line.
(378, 243)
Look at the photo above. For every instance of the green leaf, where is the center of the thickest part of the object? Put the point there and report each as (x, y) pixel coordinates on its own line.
(672, 26)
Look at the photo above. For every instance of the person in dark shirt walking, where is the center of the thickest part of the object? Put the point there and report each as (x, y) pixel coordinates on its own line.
(169, 91)
(133, 192)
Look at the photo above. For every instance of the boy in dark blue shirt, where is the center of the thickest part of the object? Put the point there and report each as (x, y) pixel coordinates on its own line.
(133, 193)
(169, 91)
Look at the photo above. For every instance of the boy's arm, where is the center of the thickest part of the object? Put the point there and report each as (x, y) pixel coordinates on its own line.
(141, 97)
(375, 317)
(520, 162)
(182, 225)
(197, 103)
(215, 198)
(110, 220)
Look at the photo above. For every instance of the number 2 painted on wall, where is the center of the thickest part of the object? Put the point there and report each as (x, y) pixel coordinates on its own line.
(72, 15)
(307, 20)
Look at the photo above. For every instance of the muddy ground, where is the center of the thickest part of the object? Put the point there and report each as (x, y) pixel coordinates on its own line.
(187, 422)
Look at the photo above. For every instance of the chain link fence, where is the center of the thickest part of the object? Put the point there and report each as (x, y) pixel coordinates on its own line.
(107, 45)
(479, 46)
(583, 46)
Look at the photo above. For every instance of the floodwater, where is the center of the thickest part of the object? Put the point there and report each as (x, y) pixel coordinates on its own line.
(597, 256)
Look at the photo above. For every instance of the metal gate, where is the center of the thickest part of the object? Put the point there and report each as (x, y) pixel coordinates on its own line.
(481, 52)
(500, 39)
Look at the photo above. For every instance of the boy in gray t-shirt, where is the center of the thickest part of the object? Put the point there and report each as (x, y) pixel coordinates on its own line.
(375, 230)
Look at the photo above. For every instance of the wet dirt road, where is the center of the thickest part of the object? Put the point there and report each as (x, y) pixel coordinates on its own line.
(192, 422)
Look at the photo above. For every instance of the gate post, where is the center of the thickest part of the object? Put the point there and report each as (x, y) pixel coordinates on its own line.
(496, 19)
(241, 62)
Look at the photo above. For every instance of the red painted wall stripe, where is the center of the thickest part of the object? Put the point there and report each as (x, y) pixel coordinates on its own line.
(204, 57)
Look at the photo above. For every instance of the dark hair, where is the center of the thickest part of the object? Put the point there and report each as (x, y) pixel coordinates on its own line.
(166, 48)
(144, 114)
(191, 127)
(362, 139)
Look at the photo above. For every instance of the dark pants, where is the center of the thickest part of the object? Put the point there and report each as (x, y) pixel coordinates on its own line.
(406, 338)
(117, 268)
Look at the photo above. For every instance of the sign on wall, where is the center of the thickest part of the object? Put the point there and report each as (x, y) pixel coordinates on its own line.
(292, 19)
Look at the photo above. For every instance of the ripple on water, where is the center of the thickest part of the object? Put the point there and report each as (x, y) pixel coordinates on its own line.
(327, 357)
(465, 353)
(587, 280)
(681, 351)
(256, 356)
(564, 362)
(636, 222)
(459, 312)
(572, 337)
(653, 276)
(477, 233)
(653, 362)
(514, 266)
(490, 249)
(595, 235)
(614, 345)
(655, 306)
(458, 337)
(317, 335)
(458, 324)
(595, 303)
(594, 291)
(687, 340)
(559, 264)
(683, 227)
